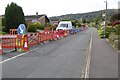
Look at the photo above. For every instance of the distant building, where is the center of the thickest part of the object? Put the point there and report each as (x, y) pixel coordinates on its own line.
(43, 19)
(54, 21)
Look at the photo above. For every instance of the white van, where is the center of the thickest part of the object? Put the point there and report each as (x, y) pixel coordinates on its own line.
(64, 25)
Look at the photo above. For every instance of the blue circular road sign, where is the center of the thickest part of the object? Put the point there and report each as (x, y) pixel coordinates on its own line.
(21, 29)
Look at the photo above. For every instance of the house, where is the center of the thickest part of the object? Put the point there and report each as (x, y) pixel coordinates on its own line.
(43, 19)
(54, 21)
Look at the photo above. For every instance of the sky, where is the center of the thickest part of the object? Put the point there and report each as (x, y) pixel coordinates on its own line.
(59, 7)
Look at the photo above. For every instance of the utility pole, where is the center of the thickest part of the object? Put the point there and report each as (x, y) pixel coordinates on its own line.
(105, 20)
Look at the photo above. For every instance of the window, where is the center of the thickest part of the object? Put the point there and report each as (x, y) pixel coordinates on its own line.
(64, 25)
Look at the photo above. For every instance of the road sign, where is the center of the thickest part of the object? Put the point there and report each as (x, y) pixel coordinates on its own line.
(21, 29)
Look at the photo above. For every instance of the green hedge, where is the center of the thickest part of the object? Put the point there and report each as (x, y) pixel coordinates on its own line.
(31, 28)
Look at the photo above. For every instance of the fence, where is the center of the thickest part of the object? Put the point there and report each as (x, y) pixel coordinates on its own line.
(28, 40)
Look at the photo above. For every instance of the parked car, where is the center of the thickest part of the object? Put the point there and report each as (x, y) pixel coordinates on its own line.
(64, 25)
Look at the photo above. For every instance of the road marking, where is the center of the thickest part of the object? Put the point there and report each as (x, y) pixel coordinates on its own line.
(88, 61)
(17, 56)
(85, 71)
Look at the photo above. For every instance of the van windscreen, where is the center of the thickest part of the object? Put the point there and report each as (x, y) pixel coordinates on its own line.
(63, 25)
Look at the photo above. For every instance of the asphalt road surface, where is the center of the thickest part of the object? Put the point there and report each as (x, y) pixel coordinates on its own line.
(64, 58)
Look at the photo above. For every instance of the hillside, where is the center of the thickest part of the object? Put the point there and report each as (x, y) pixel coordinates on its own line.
(89, 15)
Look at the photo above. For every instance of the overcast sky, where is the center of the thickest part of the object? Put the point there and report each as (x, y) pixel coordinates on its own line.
(59, 7)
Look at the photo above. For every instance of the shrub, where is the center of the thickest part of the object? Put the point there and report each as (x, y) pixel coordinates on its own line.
(101, 32)
(41, 27)
(117, 29)
(31, 28)
(108, 31)
(1, 32)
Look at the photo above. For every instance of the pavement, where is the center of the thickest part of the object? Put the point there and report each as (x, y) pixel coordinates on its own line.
(104, 59)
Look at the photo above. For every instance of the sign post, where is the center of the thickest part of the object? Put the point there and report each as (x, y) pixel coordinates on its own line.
(21, 31)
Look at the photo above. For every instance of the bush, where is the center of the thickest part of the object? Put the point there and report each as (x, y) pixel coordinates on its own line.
(1, 32)
(101, 32)
(41, 27)
(114, 40)
(108, 31)
(31, 28)
(117, 29)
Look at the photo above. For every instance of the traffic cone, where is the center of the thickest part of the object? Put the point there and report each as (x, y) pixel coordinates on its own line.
(1, 51)
(25, 45)
(58, 37)
(65, 34)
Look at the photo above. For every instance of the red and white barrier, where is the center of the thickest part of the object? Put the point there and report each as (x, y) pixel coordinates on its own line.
(19, 42)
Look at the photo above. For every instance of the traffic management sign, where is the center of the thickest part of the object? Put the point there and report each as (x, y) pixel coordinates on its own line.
(21, 29)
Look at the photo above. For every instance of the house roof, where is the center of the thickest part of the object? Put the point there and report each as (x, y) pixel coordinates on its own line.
(33, 17)
(30, 17)
(54, 19)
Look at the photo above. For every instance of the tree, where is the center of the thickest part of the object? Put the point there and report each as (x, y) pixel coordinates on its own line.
(3, 21)
(13, 16)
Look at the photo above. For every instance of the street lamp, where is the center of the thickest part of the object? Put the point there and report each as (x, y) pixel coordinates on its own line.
(105, 19)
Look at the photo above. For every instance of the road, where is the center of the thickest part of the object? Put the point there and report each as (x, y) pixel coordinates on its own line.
(64, 58)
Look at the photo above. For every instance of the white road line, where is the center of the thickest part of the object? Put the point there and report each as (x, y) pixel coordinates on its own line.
(16, 56)
(85, 71)
(89, 60)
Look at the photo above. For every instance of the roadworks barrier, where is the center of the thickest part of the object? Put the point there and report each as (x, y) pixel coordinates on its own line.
(22, 43)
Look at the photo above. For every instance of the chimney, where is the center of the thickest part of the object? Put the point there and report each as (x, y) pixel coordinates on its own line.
(36, 13)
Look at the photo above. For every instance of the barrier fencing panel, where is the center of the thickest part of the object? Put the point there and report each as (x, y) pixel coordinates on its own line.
(8, 41)
(35, 38)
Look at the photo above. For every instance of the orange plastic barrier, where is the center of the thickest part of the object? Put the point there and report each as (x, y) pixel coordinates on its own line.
(8, 41)
(13, 31)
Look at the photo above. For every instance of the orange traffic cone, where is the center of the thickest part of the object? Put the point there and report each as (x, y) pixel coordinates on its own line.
(25, 45)
(1, 51)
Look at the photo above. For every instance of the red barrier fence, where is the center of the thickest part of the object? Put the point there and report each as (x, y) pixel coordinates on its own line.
(8, 41)
(28, 40)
